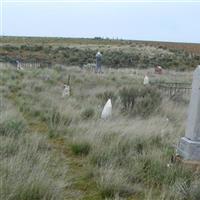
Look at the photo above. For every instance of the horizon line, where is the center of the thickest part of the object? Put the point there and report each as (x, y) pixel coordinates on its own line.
(103, 38)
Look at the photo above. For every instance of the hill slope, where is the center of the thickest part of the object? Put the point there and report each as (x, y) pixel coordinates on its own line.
(116, 53)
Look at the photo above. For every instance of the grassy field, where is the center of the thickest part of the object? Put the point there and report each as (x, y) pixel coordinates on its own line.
(59, 148)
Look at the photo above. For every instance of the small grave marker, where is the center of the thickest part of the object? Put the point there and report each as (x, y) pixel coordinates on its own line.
(146, 80)
(66, 91)
(107, 110)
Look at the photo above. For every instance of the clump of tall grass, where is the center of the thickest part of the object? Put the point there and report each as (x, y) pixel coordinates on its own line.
(81, 148)
(11, 123)
(26, 162)
(185, 189)
(108, 94)
(113, 182)
(141, 101)
(13, 127)
(26, 170)
(57, 122)
(87, 113)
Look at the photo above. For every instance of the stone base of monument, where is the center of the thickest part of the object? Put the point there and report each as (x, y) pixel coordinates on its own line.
(188, 149)
(190, 164)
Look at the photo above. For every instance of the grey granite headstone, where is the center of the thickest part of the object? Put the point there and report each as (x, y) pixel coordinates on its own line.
(189, 146)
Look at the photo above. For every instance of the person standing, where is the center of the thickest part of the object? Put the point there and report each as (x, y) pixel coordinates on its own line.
(98, 62)
(19, 66)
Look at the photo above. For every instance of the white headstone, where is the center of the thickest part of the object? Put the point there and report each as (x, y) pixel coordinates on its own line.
(189, 146)
(107, 110)
(146, 80)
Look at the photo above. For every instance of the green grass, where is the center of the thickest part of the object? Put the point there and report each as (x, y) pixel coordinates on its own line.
(81, 148)
(87, 113)
(26, 170)
(124, 157)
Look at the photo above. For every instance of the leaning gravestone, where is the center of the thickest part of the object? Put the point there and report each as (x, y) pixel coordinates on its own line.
(189, 146)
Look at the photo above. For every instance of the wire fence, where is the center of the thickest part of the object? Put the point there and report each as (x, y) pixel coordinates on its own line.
(172, 89)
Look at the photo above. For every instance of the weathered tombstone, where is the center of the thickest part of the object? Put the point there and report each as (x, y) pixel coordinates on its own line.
(146, 80)
(107, 110)
(158, 70)
(66, 91)
(67, 88)
(189, 146)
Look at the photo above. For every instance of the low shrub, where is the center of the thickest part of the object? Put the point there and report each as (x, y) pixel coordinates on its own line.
(104, 96)
(10, 48)
(13, 86)
(55, 119)
(12, 127)
(113, 182)
(128, 97)
(138, 57)
(88, 113)
(81, 148)
(140, 101)
(52, 133)
(57, 123)
(8, 147)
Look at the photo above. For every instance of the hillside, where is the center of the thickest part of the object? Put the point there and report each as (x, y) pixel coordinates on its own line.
(116, 53)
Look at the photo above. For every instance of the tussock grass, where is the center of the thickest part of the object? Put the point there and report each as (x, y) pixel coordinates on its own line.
(26, 161)
(128, 155)
(139, 100)
(82, 148)
(24, 170)
(87, 113)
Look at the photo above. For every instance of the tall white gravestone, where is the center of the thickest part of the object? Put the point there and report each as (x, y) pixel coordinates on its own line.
(189, 146)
